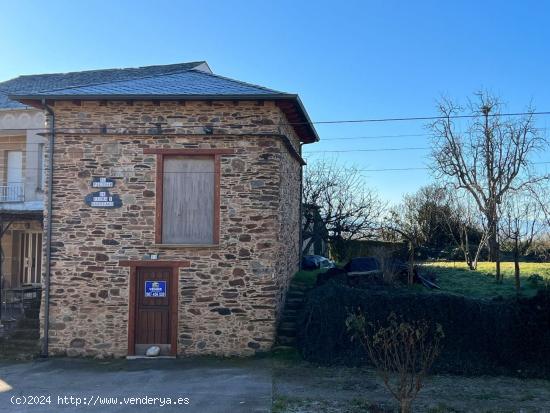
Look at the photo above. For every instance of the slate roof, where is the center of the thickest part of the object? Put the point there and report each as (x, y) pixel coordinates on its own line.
(185, 81)
(183, 84)
(30, 84)
(6, 103)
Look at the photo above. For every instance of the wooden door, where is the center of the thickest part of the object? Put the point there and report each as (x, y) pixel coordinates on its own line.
(153, 309)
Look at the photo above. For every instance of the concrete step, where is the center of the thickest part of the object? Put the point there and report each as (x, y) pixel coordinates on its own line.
(286, 332)
(32, 313)
(26, 333)
(281, 348)
(290, 312)
(294, 302)
(34, 304)
(289, 319)
(293, 295)
(29, 323)
(18, 342)
(293, 308)
(290, 326)
(18, 354)
(10, 353)
(298, 284)
(286, 341)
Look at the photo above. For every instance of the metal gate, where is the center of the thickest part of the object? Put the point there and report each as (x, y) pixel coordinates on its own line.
(31, 257)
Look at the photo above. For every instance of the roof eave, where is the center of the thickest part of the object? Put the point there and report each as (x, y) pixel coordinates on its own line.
(267, 96)
(309, 121)
(36, 100)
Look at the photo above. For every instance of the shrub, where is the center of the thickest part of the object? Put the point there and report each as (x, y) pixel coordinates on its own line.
(401, 351)
(535, 280)
(387, 264)
(504, 336)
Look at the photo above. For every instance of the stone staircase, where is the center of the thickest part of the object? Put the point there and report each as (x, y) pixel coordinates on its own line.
(286, 330)
(22, 341)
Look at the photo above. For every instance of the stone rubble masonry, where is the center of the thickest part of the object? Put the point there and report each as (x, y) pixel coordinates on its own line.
(231, 295)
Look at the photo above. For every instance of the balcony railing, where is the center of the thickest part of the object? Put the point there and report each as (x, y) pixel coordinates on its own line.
(12, 192)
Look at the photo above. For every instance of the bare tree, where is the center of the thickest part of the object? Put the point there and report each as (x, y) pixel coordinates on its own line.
(521, 222)
(408, 221)
(347, 208)
(464, 220)
(540, 192)
(489, 159)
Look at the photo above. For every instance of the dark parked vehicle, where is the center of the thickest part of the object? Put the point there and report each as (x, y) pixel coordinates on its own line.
(362, 264)
(315, 262)
(366, 272)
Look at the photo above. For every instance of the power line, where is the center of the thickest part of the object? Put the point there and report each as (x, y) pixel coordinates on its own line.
(322, 122)
(188, 172)
(392, 169)
(375, 137)
(415, 118)
(309, 152)
(369, 150)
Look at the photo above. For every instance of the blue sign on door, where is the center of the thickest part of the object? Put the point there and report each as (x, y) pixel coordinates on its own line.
(155, 289)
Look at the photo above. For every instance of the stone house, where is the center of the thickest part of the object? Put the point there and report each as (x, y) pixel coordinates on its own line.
(175, 211)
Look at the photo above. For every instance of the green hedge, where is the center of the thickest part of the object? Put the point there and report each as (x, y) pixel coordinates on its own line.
(481, 336)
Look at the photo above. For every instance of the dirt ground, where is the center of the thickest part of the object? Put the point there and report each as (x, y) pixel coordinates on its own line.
(299, 387)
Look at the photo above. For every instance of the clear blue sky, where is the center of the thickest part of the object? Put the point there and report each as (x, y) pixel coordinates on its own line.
(347, 60)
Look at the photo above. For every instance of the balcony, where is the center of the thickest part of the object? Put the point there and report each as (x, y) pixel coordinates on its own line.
(12, 192)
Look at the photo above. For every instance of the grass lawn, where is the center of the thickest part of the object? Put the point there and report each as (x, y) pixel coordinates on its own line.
(307, 277)
(455, 277)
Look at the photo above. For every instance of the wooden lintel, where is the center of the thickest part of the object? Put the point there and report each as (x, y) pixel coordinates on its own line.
(154, 263)
(192, 151)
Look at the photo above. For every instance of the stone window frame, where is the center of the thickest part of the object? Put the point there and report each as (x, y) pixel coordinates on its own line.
(161, 154)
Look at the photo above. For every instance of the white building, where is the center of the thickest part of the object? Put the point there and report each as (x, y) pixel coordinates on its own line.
(21, 193)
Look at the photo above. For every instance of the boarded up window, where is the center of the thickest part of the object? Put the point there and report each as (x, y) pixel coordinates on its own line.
(188, 200)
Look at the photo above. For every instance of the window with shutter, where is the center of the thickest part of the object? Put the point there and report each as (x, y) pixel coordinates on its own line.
(188, 200)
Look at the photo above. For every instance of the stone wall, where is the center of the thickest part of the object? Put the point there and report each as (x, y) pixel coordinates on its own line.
(289, 212)
(230, 294)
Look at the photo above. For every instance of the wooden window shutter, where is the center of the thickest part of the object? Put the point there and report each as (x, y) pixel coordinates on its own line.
(188, 200)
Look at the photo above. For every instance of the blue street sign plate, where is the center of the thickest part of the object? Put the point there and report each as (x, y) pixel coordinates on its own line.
(155, 289)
